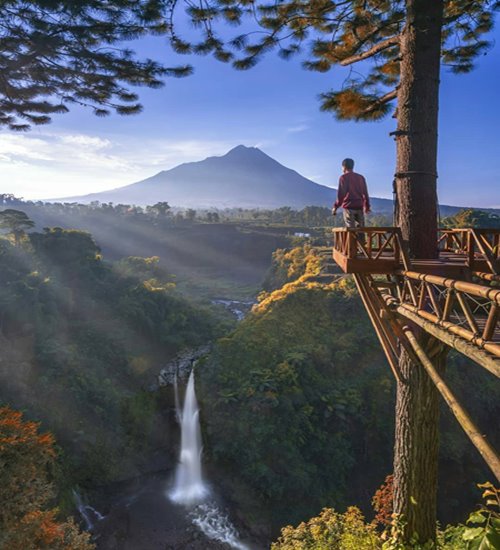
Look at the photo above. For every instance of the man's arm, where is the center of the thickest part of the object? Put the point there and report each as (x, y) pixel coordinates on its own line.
(366, 198)
(340, 195)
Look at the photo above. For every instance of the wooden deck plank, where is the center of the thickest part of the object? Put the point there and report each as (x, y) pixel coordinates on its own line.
(447, 265)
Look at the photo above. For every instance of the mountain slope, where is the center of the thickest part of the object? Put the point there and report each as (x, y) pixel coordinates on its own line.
(244, 177)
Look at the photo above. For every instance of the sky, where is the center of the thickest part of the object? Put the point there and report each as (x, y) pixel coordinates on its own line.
(273, 106)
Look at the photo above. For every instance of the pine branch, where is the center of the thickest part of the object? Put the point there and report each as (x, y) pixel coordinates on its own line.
(389, 96)
(381, 46)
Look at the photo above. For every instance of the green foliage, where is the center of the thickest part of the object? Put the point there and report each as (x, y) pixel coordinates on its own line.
(335, 531)
(330, 531)
(16, 222)
(138, 416)
(85, 336)
(328, 34)
(289, 394)
(483, 532)
(468, 217)
(291, 264)
(59, 53)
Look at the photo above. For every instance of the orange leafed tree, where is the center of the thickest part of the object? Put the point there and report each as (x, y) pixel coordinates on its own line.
(26, 523)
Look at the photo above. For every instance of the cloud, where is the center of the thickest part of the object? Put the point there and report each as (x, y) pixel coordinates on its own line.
(297, 129)
(48, 164)
(85, 141)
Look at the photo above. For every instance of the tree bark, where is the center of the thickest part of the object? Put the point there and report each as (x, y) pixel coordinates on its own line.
(417, 401)
(417, 447)
(417, 133)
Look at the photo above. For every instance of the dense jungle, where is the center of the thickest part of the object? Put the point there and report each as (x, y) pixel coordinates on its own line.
(296, 399)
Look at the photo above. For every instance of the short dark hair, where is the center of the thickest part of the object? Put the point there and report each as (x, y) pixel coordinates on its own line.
(348, 163)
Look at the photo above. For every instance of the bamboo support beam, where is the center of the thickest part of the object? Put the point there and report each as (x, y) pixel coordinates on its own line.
(480, 291)
(456, 342)
(384, 338)
(479, 441)
(468, 313)
(482, 244)
(467, 335)
(486, 276)
(448, 305)
(491, 323)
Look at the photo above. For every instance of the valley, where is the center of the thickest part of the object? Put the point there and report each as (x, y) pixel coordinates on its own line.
(295, 398)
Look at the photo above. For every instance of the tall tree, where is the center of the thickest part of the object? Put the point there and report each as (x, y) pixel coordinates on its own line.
(16, 222)
(400, 45)
(54, 53)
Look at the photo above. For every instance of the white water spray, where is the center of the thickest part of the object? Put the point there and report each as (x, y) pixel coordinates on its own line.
(90, 515)
(216, 525)
(189, 488)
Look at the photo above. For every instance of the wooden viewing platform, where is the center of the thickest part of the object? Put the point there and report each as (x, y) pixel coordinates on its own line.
(454, 297)
(381, 250)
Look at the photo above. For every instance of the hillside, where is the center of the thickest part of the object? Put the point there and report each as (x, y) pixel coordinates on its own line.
(305, 400)
(244, 177)
(81, 338)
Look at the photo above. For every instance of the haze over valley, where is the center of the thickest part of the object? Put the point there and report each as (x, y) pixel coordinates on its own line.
(245, 177)
(196, 353)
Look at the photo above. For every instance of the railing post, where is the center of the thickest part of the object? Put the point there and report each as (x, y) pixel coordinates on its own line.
(470, 249)
(397, 248)
(351, 244)
(491, 322)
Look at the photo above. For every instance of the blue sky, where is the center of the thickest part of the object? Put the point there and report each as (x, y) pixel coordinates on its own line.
(273, 106)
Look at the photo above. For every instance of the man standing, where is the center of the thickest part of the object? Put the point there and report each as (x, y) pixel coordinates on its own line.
(352, 196)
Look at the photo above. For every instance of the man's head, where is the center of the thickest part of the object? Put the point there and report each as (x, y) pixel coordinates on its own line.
(347, 165)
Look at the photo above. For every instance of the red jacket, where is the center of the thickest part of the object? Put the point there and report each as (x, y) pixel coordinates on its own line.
(352, 192)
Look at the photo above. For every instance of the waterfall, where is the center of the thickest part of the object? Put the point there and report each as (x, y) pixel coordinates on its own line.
(90, 515)
(178, 413)
(189, 488)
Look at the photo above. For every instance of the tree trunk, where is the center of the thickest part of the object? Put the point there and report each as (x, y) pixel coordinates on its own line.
(417, 115)
(417, 405)
(417, 446)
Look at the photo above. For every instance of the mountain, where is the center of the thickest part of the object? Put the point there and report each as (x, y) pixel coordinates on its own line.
(244, 177)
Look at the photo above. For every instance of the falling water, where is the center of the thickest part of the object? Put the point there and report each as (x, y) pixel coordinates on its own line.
(90, 515)
(178, 413)
(216, 525)
(189, 488)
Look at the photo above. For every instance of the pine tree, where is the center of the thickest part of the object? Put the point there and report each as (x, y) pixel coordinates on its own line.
(397, 48)
(400, 46)
(16, 222)
(55, 53)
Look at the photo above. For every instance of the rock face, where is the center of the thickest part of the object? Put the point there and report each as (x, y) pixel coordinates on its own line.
(181, 366)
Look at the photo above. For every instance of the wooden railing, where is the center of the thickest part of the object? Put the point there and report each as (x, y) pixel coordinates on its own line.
(462, 252)
(381, 247)
(368, 242)
(464, 309)
(477, 245)
(464, 316)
